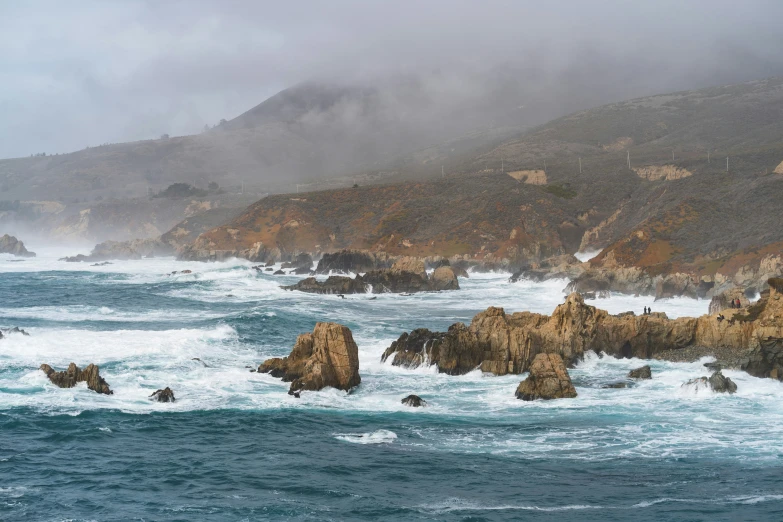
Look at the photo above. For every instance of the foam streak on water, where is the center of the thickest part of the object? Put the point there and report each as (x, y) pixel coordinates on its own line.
(146, 329)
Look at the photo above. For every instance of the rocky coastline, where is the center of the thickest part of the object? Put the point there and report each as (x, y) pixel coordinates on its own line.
(11, 245)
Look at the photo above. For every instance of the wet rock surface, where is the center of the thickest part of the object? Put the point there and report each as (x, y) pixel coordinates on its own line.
(414, 401)
(717, 382)
(74, 375)
(327, 357)
(548, 379)
(641, 373)
(164, 395)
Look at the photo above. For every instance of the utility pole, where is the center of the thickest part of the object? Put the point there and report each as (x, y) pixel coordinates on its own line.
(580, 165)
(629, 160)
(502, 165)
(442, 174)
(708, 155)
(727, 163)
(672, 154)
(544, 166)
(243, 187)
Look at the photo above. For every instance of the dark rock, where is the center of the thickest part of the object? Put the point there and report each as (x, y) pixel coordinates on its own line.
(641, 373)
(414, 349)
(269, 270)
(14, 330)
(202, 362)
(350, 261)
(414, 401)
(332, 285)
(279, 272)
(766, 360)
(721, 384)
(302, 270)
(300, 262)
(328, 357)
(11, 245)
(73, 375)
(615, 385)
(379, 281)
(548, 379)
(714, 366)
(164, 395)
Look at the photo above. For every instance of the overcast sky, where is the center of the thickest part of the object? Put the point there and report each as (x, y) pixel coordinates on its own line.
(82, 73)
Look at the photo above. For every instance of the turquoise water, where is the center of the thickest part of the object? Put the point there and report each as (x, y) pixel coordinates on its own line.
(235, 446)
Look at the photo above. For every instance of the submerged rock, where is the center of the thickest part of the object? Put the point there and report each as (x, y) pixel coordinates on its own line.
(11, 331)
(548, 379)
(414, 401)
(641, 373)
(164, 395)
(73, 375)
(11, 245)
(328, 357)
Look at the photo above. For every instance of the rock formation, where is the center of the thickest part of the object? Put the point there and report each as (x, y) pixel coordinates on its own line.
(73, 375)
(164, 395)
(124, 250)
(548, 379)
(502, 343)
(385, 280)
(641, 373)
(717, 382)
(14, 330)
(766, 360)
(414, 401)
(328, 357)
(352, 261)
(11, 245)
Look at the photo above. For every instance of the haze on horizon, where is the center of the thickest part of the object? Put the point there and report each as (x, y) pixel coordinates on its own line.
(79, 74)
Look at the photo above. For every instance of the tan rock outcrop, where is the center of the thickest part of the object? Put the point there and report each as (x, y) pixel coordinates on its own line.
(444, 278)
(73, 375)
(328, 357)
(665, 172)
(502, 343)
(410, 264)
(548, 379)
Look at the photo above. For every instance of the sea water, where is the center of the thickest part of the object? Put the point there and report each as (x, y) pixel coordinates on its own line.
(236, 446)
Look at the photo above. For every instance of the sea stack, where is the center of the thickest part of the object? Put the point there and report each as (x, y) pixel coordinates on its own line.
(328, 357)
(548, 379)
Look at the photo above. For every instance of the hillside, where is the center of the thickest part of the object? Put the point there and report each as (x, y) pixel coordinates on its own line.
(662, 214)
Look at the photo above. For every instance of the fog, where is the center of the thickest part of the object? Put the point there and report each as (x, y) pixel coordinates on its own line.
(77, 74)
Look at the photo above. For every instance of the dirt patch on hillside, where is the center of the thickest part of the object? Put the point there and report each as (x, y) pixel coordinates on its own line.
(779, 168)
(665, 172)
(618, 144)
(531, 177)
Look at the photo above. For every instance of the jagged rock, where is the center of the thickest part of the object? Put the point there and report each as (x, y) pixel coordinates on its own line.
(460, 272)
(14, 330)
(502, 343)
(414, 401)
(279, 272)
(443, 278)
(413, 349)
(766, 360)
(11, 245)
(375, 281)
(641, 373)
(548, 379)
(164, 395)
(723, 300)
(717, 382)
(73, 375)
(328, 357)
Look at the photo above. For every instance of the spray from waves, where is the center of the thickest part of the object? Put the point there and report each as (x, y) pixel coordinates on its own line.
(375, 437)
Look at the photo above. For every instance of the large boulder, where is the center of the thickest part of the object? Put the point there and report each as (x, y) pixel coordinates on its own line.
(328, 357)
(410, 264)
(396, 281)
(73, 375)
(11, 245)
(375, 281)
(548, 379)
(443, 278)
(641, 373)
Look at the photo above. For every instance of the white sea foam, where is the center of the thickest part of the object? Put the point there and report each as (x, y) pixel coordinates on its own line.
(375, 437)
(650, 419)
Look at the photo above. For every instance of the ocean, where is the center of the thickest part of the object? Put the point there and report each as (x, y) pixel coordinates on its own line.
(236, 446)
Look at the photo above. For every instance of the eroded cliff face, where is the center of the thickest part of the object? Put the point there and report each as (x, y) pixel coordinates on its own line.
(502, 343)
